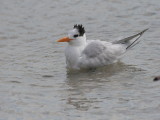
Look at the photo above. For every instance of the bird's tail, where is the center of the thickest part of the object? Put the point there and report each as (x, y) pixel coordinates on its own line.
(130, 41)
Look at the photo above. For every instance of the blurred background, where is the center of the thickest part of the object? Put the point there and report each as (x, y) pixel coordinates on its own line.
(34, 82)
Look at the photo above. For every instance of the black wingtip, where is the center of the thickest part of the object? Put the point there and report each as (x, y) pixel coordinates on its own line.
(144, 30)
(139, 34)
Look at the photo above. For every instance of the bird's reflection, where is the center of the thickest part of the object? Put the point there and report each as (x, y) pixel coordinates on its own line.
(83, 83)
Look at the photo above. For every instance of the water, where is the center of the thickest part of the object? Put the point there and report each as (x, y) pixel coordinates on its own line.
(34, 83)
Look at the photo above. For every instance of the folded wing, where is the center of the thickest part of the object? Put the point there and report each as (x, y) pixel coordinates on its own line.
(100, 53)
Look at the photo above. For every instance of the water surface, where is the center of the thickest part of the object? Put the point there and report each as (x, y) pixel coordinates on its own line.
(34, 83)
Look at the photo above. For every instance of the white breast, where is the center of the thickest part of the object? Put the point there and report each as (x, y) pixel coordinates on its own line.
(73, 54)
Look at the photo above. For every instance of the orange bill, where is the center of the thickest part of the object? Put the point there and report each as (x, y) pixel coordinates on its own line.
(65, 39)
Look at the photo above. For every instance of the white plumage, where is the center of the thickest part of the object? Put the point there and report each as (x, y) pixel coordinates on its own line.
(81, 53)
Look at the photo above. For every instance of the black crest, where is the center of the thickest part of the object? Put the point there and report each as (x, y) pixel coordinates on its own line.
(80, 29)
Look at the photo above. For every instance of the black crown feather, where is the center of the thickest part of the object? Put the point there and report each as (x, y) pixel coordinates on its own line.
(80, 29)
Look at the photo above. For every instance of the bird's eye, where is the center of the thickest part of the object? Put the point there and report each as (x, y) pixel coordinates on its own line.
(75, 36)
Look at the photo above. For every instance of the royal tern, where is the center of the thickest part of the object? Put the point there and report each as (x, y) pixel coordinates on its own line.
(82, 53)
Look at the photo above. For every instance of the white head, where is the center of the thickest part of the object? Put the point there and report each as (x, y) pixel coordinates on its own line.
(76, 36)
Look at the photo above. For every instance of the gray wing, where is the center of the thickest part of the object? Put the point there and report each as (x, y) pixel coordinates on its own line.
(99, 53)
(94, 49)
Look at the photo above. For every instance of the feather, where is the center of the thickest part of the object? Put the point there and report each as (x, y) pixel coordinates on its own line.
(128, 39)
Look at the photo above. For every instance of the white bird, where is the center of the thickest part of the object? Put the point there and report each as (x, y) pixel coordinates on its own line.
(82, 53)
